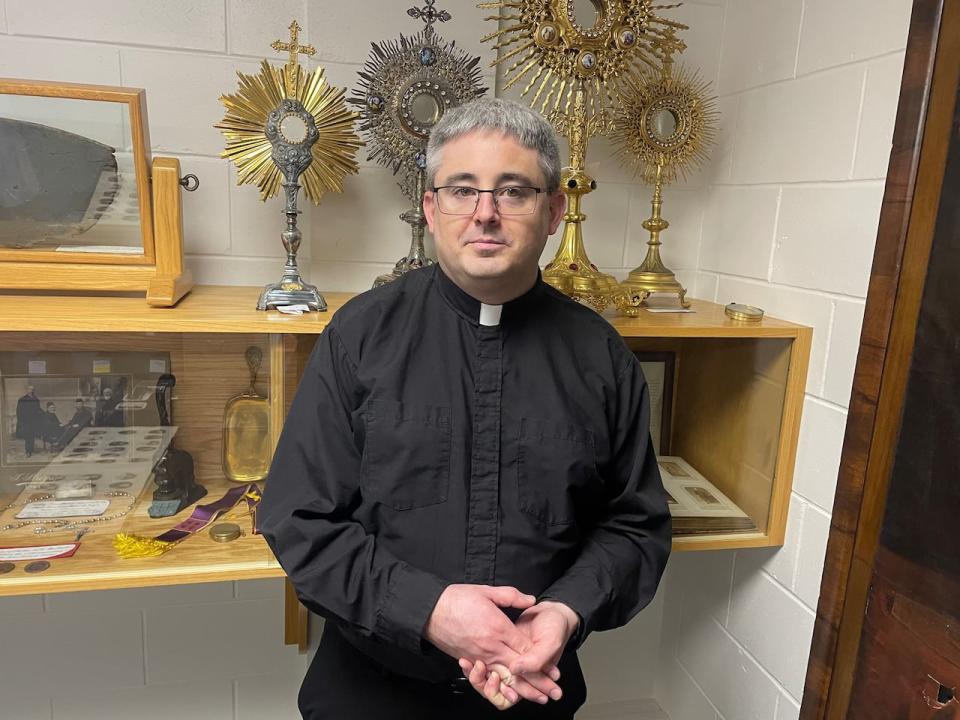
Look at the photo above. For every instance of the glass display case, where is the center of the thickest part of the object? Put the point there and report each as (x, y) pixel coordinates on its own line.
(134, 440)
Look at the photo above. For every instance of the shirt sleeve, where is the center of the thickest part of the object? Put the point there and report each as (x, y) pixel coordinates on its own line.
(619, 567)
(313, 486)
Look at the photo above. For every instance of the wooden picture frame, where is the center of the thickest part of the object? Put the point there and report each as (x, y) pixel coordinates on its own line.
(158, 269)
(660, 371)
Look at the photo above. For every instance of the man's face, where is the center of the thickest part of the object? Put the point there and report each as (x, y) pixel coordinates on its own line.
(107, 393)
(488, 246)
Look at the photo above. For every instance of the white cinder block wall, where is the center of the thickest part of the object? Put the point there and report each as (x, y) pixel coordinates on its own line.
(808, 91)
(784, 216)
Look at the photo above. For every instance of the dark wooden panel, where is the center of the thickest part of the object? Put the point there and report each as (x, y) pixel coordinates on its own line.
(830, 639)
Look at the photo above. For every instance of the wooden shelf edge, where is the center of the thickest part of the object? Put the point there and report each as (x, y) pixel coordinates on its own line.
(118, 579)
(723, 541)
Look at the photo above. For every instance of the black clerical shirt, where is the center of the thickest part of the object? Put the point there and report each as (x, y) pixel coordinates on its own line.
(424, 448)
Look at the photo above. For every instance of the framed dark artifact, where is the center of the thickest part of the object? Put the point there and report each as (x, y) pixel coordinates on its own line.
(659, 369)
(84, 206)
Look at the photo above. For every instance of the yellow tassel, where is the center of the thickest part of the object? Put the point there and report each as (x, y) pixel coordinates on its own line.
(136, 546)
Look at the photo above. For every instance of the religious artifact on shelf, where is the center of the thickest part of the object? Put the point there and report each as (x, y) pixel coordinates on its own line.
(576, 53)
(177, 486)
(84, 205)
(405, 88)
(697, 505)
(246, 429)
(659, 370)
(129, 545)
(743, 313)
(282, 126)
(665, 124)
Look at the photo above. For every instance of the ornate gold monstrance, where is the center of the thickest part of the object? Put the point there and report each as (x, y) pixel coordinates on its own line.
(664, 127)
(577, 65)
(406, 86)
(285, 124)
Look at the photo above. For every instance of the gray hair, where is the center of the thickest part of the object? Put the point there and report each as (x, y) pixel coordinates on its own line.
(529, 128)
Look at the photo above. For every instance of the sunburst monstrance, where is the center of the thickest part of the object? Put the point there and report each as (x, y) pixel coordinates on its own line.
(282, 125)
(573, 62)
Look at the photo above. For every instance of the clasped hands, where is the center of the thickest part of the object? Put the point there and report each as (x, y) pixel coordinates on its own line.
(503, 661)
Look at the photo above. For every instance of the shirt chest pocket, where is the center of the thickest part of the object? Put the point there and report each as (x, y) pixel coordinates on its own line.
(556, 467)
(406, 456)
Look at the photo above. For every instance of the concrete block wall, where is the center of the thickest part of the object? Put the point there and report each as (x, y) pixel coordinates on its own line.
(808, 90)
(783, 216)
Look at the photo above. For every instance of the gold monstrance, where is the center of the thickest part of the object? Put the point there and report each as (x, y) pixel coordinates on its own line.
(664, 127)
(285, 124)
(576, 61)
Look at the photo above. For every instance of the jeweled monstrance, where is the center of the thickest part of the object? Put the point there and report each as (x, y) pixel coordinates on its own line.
(665, 125)
(284, 125)
(405, 88)
(573, 62)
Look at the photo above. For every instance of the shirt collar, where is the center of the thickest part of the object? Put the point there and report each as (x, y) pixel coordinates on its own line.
(468, 307)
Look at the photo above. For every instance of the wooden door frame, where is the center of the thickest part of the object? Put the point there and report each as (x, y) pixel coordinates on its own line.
(911, 198)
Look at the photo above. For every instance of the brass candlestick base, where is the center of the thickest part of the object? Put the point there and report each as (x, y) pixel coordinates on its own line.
(652, 276)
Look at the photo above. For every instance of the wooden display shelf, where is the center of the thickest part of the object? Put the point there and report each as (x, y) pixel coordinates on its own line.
(96, 565)
(746, 380)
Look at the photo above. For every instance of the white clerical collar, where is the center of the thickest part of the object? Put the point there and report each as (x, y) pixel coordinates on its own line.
(490, 314)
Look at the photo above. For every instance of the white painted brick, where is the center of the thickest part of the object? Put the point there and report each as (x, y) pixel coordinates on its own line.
(21, 604)
(269, 697)
(672, 591)
(780, 563)
(26, 708)
(727, 674)
(783, 134)
(353, 277)
(182, 91)
(759, 43)
(71, 603)
(250, 633)
(207, 700)
(256, 226)
(797, 306)
(37, 59)
(788, 709)
(603, 163)
(705, 286)
(3, 17)
(206, 211)
(702, 39)
(343, 31)
(826, 235)
(813, 546)
(738, 230)
(269, 589)
(195, 25)
(622, 664)
(717, 168)
(362, 223)
(679, 695)
(683, 209)
(252, 26)
(705, 578)
(71, 652)
(818, 452)
(842, 353)
(880, 100)
(781, 642)
(225, 270)
(604, 230)
(837, 33)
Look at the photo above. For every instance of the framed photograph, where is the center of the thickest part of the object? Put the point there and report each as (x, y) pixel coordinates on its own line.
(659, 369)
(50, 399)
(84, 206)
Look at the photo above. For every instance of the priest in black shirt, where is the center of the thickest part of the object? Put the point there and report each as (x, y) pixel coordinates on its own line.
(465, 486)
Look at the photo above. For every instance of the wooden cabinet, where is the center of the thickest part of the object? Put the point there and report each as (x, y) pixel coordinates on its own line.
(737, 395)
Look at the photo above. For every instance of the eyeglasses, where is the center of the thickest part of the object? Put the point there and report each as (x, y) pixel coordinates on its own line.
(464, 200)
